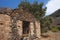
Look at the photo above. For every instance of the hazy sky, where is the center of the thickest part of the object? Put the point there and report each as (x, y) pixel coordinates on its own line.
(52, 5)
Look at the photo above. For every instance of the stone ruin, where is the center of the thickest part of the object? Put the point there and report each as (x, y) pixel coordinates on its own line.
(18, 24)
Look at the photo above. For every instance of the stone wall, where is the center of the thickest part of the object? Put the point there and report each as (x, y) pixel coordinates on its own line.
(19, 26)
(31, 28)
(4, 26)
(38, 31)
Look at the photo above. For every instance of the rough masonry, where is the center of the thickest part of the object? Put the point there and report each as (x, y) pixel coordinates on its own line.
(18, 24)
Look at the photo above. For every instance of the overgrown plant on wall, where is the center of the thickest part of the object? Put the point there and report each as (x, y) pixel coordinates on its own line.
(37, 10)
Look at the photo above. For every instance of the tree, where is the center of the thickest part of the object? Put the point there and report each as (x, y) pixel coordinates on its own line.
(24, 3)
(46, 23)
(38, 11)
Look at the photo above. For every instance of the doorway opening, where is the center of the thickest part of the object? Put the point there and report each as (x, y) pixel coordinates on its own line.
(26, 28)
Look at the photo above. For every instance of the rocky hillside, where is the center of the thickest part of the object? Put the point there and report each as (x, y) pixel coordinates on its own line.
(56, 17)
(56, 13)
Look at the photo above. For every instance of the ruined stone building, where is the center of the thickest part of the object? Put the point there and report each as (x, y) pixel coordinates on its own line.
(17, 25)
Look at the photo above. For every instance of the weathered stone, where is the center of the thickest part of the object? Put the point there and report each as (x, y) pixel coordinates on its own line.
(4, 27)
(31, 28)
(11, 25)
(19, 27)
(38, 31)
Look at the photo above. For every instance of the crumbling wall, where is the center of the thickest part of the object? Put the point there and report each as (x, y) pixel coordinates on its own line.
(38, 30)
(19, 27)
(4, 26)
(31, 28)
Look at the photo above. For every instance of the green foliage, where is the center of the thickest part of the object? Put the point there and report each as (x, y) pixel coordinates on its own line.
(36, 9)
(59, 28)
(24, 4)
(46, 23)
(54, 29)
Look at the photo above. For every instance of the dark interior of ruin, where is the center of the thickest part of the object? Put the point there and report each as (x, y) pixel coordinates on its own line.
(1, 23)
(25, 27)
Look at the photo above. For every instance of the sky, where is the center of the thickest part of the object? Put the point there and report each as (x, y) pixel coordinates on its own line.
(52, 5)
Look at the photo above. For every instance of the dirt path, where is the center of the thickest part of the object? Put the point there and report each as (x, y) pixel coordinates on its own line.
(53, 36)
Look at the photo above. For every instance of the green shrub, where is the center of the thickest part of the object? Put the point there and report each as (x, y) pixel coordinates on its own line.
(59, 28)
(54, 29)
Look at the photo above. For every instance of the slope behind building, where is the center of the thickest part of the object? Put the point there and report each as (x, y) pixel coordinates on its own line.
(56, 18)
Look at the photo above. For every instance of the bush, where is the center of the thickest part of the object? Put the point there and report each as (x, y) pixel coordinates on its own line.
(54, 29)
(59, 28)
